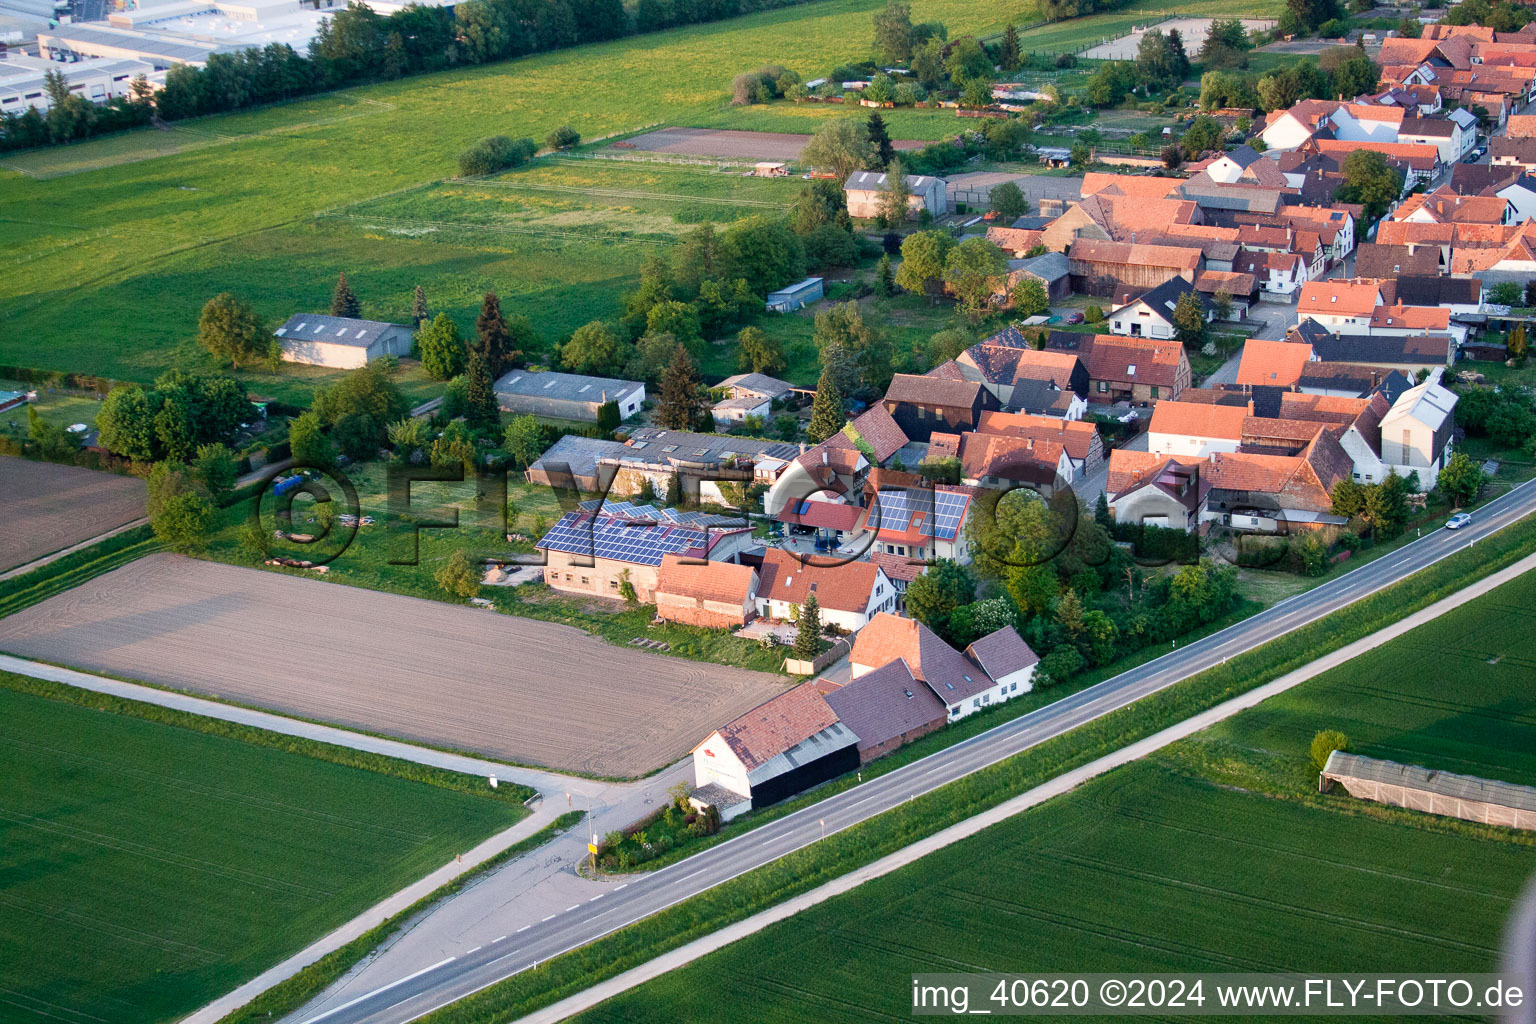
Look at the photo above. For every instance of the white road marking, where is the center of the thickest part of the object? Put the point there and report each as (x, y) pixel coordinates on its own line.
(572, 907)
(499, 938)
(527, 926)
(618, 887)
(383, 988)
(469, 951)
(598, 896)
(551, 917)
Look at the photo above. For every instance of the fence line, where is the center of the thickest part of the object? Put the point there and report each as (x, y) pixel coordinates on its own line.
(620, 193)
(386, 223)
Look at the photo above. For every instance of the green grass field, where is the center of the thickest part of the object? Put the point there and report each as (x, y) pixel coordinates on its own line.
(145, 869)
(105, 264)
(1215, 854)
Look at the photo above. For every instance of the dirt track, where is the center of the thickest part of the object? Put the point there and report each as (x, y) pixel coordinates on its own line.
(529, 691)
(729, 145)
(45, 507)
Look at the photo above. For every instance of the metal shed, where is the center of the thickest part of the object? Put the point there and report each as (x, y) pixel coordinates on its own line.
(787, 300)
(1488, 801)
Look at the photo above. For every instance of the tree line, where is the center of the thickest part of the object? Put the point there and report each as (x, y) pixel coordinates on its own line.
(357, 45)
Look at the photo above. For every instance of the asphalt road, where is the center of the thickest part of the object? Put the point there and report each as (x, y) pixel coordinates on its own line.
(457, 977)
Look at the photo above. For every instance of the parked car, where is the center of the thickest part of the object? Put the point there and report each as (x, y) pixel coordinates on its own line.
(1457, 521)
(1074, 318)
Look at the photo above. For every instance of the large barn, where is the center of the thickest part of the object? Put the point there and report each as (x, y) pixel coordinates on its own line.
(343, 343)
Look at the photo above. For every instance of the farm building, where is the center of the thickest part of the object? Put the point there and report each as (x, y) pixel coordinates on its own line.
(921, 405)
(595, 549)
(717, 595)
(1081, 440)
(343, 343)
(567, 396)
(779, 748)
(1132, 369)
(1104, 268)
(1468, 797)
(1051, 269)
(787, 300)
(572, 462)
(958, 681)
(865, 189)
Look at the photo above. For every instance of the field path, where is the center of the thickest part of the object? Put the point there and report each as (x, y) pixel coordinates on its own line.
(519, 689)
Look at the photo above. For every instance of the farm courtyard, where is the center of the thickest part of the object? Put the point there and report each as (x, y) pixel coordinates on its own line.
(46, 507)
(1215, 854)
(529, 691)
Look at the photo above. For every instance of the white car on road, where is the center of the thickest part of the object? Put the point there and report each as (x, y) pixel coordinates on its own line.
(1457, 521)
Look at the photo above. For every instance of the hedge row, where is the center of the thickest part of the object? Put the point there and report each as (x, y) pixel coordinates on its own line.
(806, 869)
(75, 568)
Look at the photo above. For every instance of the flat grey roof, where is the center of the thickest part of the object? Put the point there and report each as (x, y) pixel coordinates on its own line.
(333, 330)
(570, 387)
(170, 49)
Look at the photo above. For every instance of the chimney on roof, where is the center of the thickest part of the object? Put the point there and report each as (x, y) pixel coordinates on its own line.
(802, 447)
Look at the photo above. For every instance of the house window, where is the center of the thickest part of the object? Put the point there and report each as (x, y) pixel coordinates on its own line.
(567, 577)
(585, 581)
(1155, 391)
(1013, 688)
(976, 703)
(613, 584)
(1103, 386)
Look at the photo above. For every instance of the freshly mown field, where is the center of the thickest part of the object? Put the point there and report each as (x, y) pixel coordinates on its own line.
(1216, 854)
(145, 869)
(46, 507)
(104, 270)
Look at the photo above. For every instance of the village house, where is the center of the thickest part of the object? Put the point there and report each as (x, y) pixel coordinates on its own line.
(1150, 315)
(1241, 290)
(865, 192)
(960, 683)
(1080, 440)
(838, 466)
(1278, 275)
(749, 394)
(922, 522)
(1340, 304)
(594, 550)
(1148, 489)
(1138, 370)
(340, 342)
(1006, 461)
(716, 595)
(848, 594)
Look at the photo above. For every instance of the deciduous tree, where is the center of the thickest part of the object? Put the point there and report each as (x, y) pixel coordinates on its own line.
(230, 329)
(442, 349)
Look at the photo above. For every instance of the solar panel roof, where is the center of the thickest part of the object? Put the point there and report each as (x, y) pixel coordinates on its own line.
(940, 512)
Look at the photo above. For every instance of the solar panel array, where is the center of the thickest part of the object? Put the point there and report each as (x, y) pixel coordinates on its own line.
(625, 540)
(943, 511)
(656, 514)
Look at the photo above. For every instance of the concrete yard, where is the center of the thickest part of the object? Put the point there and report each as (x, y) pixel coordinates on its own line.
(508, 687)
(729, 145)
(1194, 31)
(45, 507)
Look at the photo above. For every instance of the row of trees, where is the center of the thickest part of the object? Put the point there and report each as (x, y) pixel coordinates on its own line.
(71, 116)
(357, 45)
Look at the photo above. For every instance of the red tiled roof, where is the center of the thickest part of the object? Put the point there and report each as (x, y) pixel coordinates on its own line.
(713, 581)
(844, 588)
(1428, 318)
(1338, 298)
(1020, 459)
(771, 728)
(831, 515)
(946, 671)
(886, 704)
(1188, 419)
(880, 431)
(1075, 436)
(1146, 186)
(1166, 256)
(899, 567)
(1129, 469)
(1276, 363)
(1156, 361)
(1016, 241)
(1231, 282)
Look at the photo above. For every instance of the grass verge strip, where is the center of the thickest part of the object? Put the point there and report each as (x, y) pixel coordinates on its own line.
(75, 568)
(862, 844)
(442, 778)
(292, 993)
